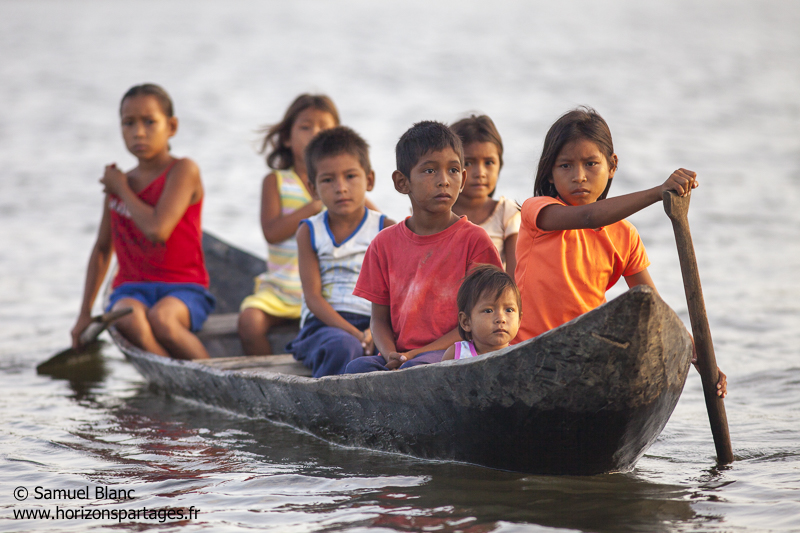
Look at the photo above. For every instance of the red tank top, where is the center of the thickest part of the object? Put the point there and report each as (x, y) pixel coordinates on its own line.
(179, 260)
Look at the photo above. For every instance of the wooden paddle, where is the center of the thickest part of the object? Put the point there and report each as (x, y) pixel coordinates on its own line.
(677, 208)
(71, 355)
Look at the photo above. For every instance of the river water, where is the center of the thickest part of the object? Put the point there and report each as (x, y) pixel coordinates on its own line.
(712, 86)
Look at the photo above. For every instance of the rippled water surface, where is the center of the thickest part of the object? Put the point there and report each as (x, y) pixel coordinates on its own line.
(710, 86)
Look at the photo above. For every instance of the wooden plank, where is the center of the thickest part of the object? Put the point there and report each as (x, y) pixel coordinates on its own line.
(260, 364)
(221, 324)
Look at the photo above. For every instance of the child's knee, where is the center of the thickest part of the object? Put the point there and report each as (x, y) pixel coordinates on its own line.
(253, 322)
(165, 323)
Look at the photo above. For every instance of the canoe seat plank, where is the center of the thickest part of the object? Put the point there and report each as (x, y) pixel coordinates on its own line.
(227, 324)
(284, 364)
(221, 324)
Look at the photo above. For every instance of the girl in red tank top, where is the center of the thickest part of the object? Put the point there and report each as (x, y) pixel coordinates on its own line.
(151, 220)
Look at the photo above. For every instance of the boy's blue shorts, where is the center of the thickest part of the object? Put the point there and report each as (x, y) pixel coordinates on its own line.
(197, 299)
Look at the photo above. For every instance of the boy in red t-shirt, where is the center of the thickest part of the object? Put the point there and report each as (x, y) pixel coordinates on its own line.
(412, 271)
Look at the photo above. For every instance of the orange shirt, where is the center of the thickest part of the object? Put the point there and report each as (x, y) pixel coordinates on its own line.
(563, 274)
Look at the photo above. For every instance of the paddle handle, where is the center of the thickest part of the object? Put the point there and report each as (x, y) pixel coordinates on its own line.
(100, 323)
(677, 209)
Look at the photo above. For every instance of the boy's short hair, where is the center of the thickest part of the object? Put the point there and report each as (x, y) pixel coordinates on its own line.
(421, 138)
(481, 280)
(333, 142)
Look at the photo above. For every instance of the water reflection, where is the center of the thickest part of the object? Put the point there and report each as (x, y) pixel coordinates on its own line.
(83, 370)
(183, 450)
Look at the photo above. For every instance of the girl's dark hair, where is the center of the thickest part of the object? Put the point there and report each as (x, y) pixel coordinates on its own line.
(483, 279)
(276, 137)
(479, 129)
(151, 89)
(580, 123)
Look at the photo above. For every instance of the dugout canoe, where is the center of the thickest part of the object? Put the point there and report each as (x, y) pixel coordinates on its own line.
(586, 398)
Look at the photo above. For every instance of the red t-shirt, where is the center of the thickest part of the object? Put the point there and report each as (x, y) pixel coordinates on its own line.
(418, 277)
(563, 274)
(179, 260)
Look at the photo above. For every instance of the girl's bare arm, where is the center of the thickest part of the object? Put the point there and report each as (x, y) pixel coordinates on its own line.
(510, 248)
(611, 210)
(449, 354)
(182, 189)
(276, 226)
(99, 260)
(640, 278)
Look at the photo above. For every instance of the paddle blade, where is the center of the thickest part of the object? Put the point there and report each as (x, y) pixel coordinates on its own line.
(89, 345)
(69, 357)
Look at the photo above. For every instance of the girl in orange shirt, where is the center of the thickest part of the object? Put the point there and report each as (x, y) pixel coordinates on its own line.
(571, 247)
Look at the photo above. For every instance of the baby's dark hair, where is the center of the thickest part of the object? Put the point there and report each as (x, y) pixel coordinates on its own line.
(580, 123)
(483, 280)
(421, 138)
(333, 142)
(151, 89)
(276, 137)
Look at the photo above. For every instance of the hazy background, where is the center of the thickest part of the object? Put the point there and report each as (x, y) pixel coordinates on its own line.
(710, 86)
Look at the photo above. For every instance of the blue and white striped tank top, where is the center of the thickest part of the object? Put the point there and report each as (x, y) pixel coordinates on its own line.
(340, 263)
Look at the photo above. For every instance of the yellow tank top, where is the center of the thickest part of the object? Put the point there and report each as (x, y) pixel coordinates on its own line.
(283, 275)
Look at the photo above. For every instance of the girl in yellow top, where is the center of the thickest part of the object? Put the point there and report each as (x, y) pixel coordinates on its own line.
(285, 201)
(572, 247)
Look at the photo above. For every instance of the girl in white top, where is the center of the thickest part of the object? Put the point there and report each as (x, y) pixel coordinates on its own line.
(483, 159)
(488, 313)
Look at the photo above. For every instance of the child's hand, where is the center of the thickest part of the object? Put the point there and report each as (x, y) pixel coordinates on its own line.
(394, 360)
(81, 324)
(681, 181)
(722, 384)
(367, 343)
(113, 180)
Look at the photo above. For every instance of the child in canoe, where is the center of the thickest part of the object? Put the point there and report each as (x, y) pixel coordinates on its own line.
(285, 201)
(151, 220)
(574, 243)
(483, 160)
(412, 270)
(331, 247)
(488, 313)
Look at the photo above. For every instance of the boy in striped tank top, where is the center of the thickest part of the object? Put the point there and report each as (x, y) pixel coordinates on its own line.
(331, 247)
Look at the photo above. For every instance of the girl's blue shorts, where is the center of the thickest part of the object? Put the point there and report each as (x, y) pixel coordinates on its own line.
(197, 299)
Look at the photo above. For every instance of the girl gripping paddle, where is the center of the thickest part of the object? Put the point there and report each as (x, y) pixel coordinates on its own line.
(572, 246)
(151, 220)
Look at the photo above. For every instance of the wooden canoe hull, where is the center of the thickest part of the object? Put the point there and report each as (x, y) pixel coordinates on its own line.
(588, 397)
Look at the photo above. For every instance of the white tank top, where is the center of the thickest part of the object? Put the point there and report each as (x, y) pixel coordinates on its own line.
(340, 263)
